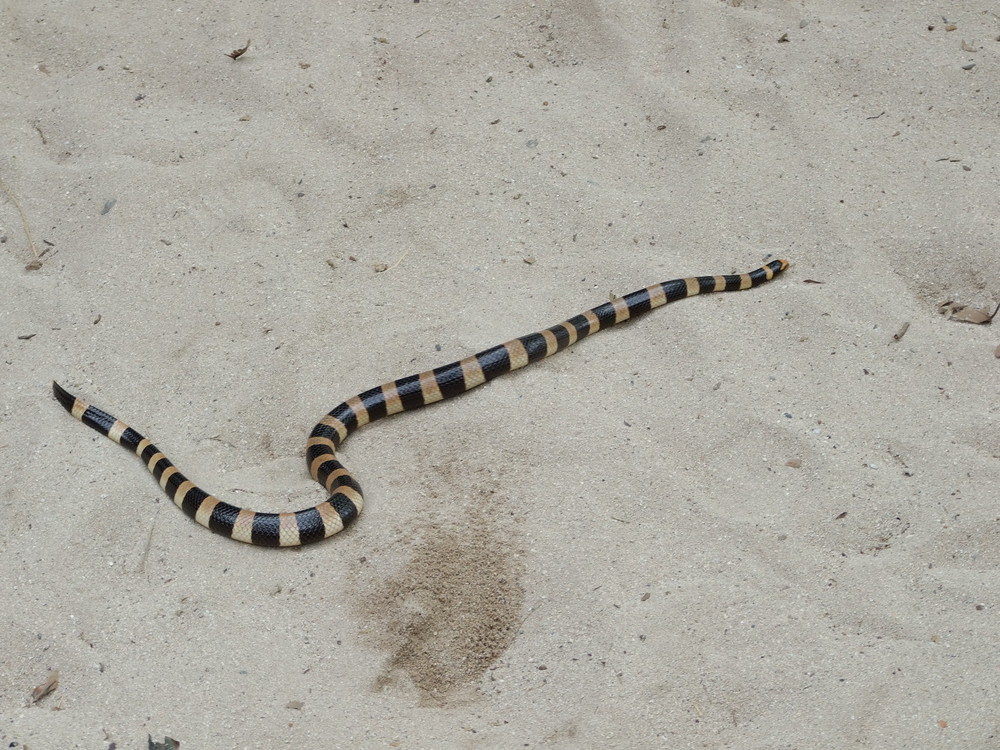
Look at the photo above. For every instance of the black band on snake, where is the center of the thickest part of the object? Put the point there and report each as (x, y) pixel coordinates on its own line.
(405, 394)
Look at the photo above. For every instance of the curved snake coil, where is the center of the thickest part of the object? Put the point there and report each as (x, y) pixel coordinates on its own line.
(405, 394)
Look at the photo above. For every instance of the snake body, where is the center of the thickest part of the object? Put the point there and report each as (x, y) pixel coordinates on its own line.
(406, 394)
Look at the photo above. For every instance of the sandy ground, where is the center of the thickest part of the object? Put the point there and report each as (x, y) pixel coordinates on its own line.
(747, 521)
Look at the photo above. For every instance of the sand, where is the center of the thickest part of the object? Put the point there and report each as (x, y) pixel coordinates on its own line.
(748, 520)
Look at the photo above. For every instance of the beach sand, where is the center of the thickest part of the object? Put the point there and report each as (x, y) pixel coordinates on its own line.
(751, 520)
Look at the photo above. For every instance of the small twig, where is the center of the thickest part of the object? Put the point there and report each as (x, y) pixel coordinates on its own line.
(400, 260)
(24, 219)
(145, 553)
(529, 614)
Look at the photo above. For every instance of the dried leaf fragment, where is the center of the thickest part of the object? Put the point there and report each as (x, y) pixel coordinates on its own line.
(238, 52)
(168, 743)
(967, 314)
(296, 705)
(50, 684)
